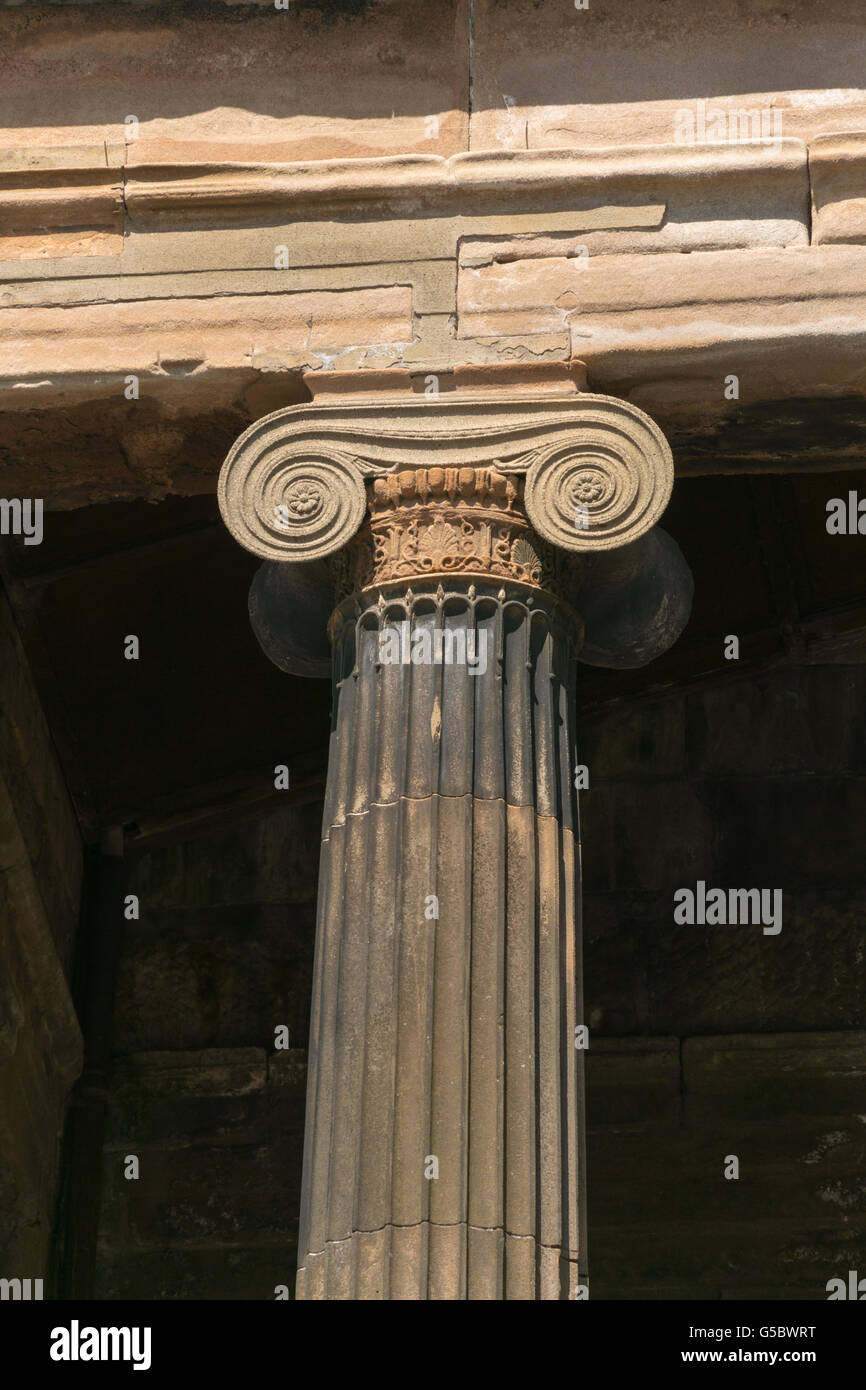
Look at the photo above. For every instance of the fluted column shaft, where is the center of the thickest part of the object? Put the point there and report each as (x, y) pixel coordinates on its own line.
(444, 1111)
(442, 1151)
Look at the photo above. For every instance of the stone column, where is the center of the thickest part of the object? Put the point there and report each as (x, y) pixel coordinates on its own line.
(453, 539)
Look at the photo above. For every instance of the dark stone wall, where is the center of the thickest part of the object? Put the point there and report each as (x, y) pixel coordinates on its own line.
(223, 947)
(730, 1042)
(220, 956)
(705, 1041)
(214, 1214)
(757, 782)
(40, 885)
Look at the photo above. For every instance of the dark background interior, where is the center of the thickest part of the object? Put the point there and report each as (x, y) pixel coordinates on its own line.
(703, 1043)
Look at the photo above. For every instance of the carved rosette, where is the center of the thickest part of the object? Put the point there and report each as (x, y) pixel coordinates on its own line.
(287, 504)
(606, 486)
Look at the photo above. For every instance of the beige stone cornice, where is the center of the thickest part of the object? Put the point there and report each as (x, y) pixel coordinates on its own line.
(168, 176)
(164, 184)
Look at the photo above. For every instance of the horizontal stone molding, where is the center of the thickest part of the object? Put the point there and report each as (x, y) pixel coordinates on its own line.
(64, 205)
(710, 295)
(163, 184)
(158, 180)
(165, 336)
(88, 203)
(837, 168)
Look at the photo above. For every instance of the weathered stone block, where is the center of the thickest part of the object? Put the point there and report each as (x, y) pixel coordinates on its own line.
(316, 82)
(273, 859)
(644, 741)
(632, 1082)
(577, 78)
(789, 1170)
(220, 1273)
(806, 720)
(220, 978)
(203, 1196)
(618, 850)
(752, 1260)
(794, 832)
(836, 167)
(644, 973)
(184, 1098)
(748, 1076)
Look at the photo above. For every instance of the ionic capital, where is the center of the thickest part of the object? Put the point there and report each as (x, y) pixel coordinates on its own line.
(583, 473)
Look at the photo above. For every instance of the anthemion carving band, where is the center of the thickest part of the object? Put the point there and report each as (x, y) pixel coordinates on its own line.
(443, 1148)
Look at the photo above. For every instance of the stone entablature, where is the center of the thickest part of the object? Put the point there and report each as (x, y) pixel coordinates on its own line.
(149, 256)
